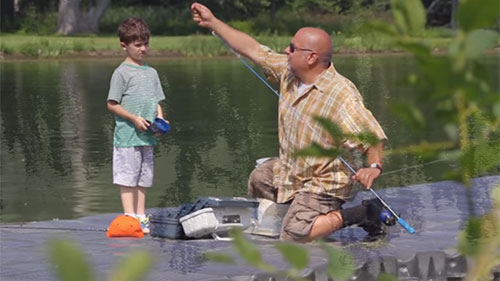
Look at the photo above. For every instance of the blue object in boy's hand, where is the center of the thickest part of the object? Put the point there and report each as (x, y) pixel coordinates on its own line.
(159, 126)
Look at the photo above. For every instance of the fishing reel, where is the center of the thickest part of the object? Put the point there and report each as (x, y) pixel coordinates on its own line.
(387, 218)
(159, 126)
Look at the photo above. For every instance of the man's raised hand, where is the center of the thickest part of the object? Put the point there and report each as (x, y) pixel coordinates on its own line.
(201, 14)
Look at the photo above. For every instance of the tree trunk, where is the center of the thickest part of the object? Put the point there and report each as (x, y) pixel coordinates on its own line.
(454, 7)
(17, 5)
(72, 20)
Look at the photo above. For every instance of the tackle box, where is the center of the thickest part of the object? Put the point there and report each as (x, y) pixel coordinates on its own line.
(206, 216)
(165, 223)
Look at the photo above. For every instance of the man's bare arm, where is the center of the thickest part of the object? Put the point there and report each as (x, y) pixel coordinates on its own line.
(239, 41)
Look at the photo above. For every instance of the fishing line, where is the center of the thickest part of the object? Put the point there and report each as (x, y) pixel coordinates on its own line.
(412, 167)
(52, 228)
(401, 222)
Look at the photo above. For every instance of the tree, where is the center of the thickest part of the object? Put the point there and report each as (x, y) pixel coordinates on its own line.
(72, 20)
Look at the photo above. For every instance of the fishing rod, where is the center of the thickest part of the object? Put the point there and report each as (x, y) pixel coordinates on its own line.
(21, 226)
(401, 221)
(248, 66)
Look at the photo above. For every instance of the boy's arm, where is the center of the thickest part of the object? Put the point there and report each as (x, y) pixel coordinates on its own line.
(116, 108)
(160, 112)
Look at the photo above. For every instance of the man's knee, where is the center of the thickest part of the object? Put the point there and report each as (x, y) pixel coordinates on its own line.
(298, 222)
(310, 217)
(252, 180)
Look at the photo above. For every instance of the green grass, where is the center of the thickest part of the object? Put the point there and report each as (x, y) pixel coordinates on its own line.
(193, 45)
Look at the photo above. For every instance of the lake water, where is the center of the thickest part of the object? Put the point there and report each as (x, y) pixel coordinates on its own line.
(56, 133)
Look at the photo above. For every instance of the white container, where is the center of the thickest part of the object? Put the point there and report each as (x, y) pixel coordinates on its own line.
(200, 223)
(234, 216)
(207, 222)
(269, 218)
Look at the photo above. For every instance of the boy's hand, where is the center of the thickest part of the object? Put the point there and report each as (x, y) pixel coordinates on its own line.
(141, 123)
(168, 122)
(202, 15)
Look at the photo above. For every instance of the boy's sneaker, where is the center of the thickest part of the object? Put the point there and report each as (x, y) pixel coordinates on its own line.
(145, 225)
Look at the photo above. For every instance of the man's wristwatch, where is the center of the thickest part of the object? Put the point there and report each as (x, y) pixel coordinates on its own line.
(376, 165)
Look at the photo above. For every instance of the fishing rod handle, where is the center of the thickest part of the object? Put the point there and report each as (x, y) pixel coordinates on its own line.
(406, 226)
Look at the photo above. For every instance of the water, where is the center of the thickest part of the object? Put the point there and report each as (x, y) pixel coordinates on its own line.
(56, 134)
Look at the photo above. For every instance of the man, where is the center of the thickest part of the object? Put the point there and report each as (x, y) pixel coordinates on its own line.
(310, 86)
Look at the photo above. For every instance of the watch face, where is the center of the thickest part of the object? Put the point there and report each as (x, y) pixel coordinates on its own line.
(376, 165)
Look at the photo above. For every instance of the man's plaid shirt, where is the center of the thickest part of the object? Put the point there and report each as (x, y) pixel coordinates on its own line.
(332, 96)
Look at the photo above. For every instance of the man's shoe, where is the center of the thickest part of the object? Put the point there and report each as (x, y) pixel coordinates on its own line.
(373, 223)
(375, 231)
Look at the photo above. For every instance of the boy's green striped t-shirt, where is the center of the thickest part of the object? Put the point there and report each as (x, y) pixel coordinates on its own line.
(138, 90)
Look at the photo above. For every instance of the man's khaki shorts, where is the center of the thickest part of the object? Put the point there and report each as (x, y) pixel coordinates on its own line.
(305, 207)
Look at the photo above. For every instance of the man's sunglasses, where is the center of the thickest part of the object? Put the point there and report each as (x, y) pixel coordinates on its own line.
(292, 48)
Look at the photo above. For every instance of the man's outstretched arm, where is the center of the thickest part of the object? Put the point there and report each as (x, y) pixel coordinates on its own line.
(239, 41)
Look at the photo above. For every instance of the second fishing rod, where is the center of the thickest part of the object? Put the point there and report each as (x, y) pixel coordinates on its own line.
(400, 220)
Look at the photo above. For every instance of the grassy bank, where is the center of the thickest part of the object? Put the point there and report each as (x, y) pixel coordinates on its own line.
(13, 45)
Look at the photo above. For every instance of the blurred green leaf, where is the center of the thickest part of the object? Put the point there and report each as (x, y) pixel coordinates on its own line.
(478, 232)
(296, 255)
(381, 27)
(419, 50)
(424, 150)
(332, 128)
(478, 41)
(468, 240)
(366, 138)
(249, 252)
(451, 130)
(399, 17)
(481, 158)
(219, 257)
(341, 265)
(496, 109)
(69, 261)
(133, 267)
(409, 16)
(386, 277)
(437, 80)
(474, 14)
(410, 114)
(316, 150)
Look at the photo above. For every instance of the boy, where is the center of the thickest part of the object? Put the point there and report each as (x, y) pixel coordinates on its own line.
(134, 95)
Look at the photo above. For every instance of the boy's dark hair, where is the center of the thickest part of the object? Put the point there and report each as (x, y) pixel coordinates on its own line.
(133, 29)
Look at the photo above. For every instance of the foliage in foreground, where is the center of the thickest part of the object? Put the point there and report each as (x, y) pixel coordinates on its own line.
(341, 265)
(70, 264)
(457, 88)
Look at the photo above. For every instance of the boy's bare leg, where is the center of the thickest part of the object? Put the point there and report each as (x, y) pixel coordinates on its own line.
(140, 200)
(127, 196)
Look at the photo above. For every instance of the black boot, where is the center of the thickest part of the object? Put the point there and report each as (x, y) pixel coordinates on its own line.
(373, 224)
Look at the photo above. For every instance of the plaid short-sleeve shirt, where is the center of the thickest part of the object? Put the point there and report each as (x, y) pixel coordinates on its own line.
(332, 96)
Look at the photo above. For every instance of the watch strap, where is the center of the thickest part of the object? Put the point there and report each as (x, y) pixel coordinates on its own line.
(376, 165)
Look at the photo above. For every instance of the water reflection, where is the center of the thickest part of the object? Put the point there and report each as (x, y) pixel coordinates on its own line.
(56, 134)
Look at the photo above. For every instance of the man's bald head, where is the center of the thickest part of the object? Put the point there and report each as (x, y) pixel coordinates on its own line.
(318, 40)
